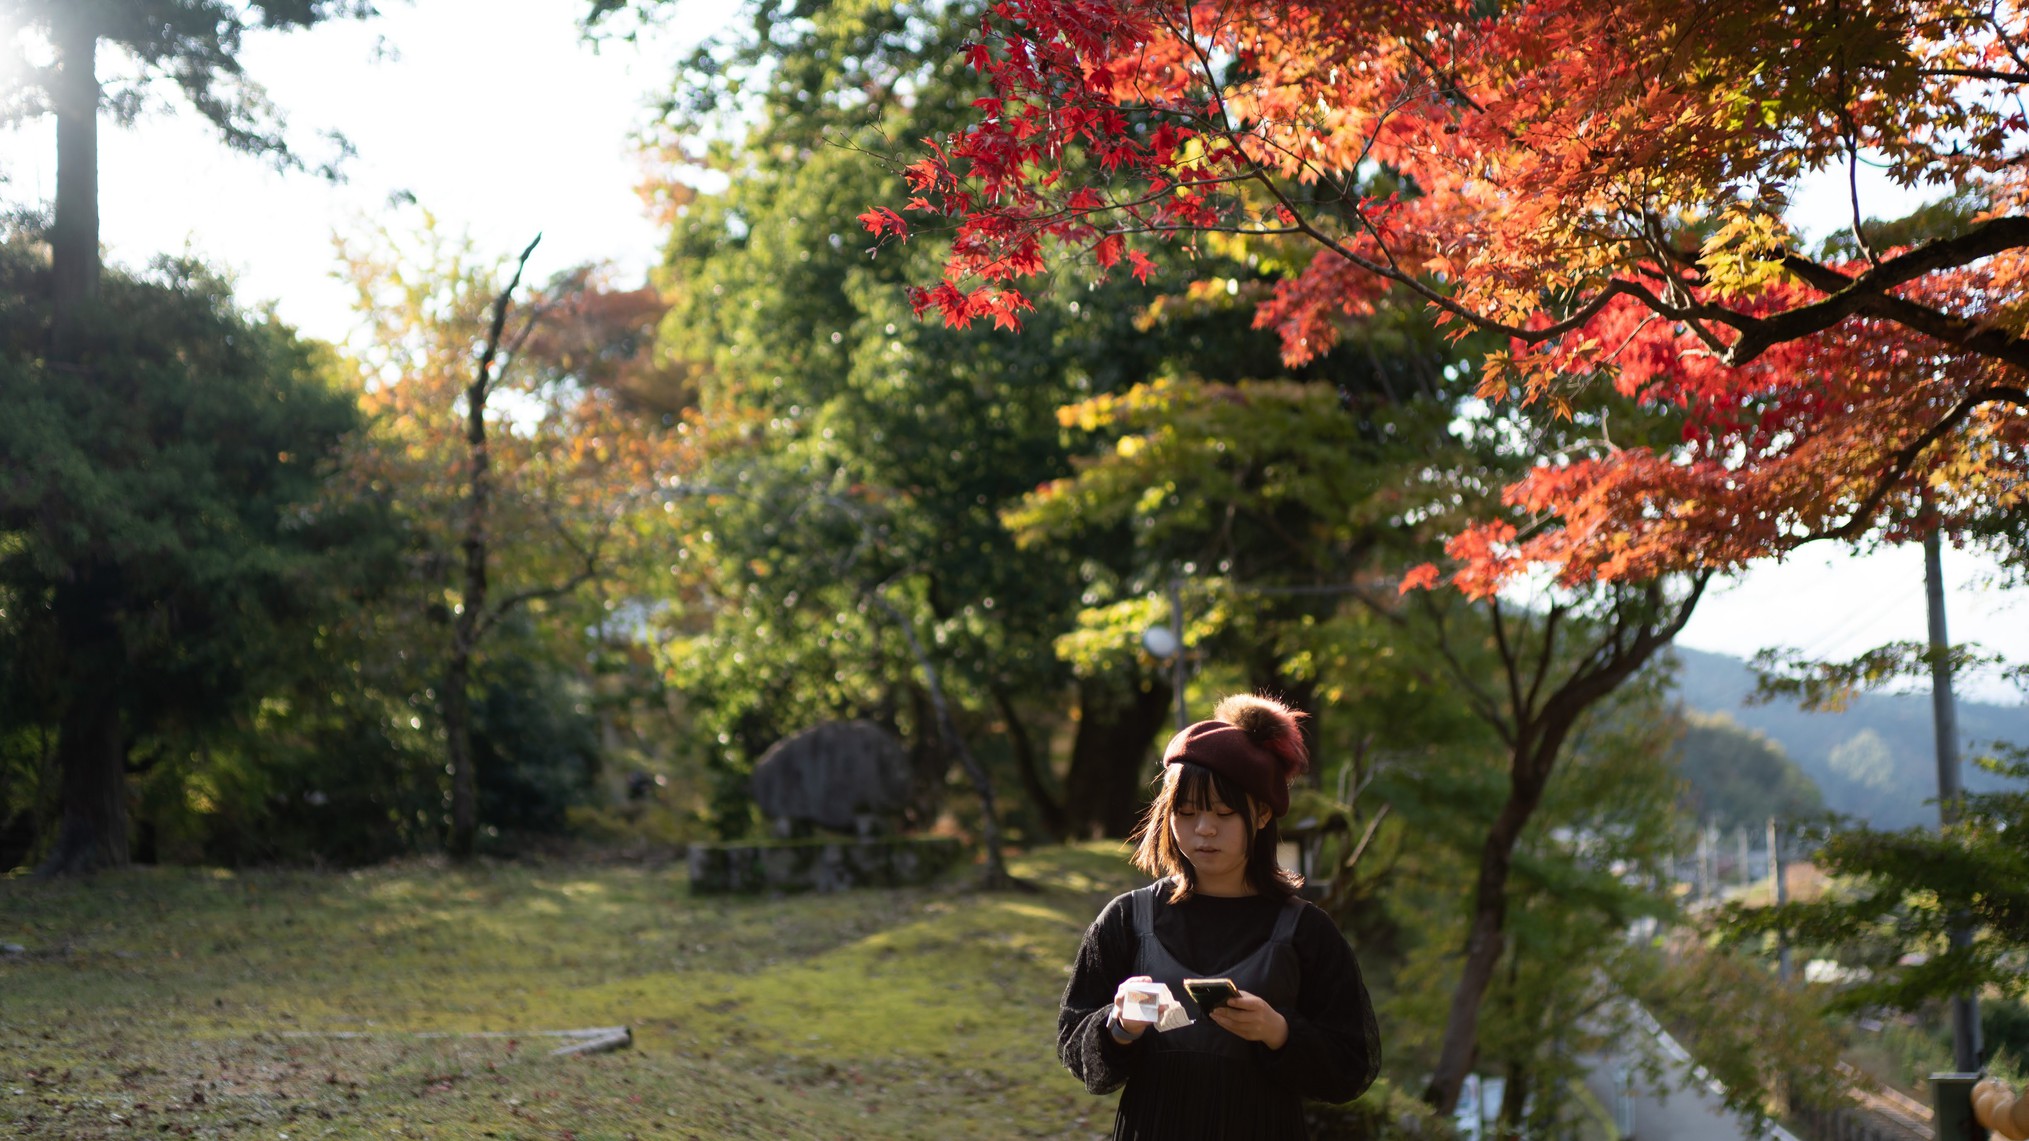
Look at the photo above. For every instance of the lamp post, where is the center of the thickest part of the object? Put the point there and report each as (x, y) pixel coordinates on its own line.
(1166, 643)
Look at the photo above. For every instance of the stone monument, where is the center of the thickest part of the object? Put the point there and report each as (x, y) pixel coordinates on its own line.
(847, 776)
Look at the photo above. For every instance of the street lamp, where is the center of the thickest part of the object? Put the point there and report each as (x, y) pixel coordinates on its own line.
(1166, 643)
(1161, 642)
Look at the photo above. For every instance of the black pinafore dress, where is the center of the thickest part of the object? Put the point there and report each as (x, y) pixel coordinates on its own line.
(1201, 1081)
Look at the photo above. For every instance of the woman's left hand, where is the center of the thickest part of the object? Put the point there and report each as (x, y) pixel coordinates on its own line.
(1249, 1016)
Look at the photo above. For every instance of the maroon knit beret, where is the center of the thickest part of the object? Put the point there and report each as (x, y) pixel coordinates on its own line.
(1253, 741)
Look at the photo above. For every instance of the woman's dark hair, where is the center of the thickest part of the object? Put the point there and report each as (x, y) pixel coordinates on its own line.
(1194, 786)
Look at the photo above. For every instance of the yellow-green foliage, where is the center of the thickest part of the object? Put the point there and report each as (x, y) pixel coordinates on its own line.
(173, 1002)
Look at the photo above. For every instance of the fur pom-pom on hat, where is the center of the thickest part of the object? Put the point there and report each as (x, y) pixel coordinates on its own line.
(1254, 740)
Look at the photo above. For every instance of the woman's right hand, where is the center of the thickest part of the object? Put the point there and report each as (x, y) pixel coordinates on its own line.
(1132, 1027)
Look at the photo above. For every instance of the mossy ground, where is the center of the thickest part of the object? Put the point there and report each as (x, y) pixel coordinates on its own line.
(166, 1002)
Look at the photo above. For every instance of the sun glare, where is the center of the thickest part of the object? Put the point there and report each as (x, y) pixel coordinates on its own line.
(27, 50)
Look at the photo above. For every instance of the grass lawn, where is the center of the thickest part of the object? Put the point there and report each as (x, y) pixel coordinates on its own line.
(178, 1002)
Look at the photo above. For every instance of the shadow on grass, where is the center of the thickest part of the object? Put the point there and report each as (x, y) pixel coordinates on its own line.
(156, 1001)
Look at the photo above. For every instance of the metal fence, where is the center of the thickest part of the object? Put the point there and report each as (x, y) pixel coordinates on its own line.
(1873, 1116)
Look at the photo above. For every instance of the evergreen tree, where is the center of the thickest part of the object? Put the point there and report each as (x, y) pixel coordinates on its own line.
(158, 547)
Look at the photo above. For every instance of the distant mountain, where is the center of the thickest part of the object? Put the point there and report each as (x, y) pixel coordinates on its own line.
(1876, 760)
(1736, 777)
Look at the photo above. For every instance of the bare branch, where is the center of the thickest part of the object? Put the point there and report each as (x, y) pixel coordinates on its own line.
(505, 606)
(1366, 838)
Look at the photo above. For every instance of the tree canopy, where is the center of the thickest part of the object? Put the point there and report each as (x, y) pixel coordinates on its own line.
(1604, 187)
(162, 553)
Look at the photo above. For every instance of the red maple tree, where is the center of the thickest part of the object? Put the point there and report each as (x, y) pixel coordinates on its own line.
(1602, 183)
(1605, 184)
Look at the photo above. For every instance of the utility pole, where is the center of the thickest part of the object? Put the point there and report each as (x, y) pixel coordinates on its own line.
(1705, 862)
(1779, 885)
(1966, 1046)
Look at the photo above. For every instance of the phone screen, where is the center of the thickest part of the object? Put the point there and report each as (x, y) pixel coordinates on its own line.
(1210, 994)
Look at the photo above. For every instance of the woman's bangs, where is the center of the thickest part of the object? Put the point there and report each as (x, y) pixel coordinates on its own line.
(1197, 787)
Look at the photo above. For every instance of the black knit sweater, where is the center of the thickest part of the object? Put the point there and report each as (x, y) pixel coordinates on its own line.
(1332, 1054)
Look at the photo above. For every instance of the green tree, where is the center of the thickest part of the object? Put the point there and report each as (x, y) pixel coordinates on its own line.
(1899, 893)
(161, 557)
(1591, 863)
(882, 449)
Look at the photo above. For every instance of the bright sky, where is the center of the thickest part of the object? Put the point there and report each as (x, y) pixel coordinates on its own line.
(497, 117)
(494, 114)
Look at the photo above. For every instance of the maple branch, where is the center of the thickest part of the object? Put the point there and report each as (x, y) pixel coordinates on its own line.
(1445, 83)
(1510, 667)
(1392, 271)
(1483, 704)
(589, 555)
(1615, 354)
(1488, 708)
(1223, 123)
(1613, 658)
(1976, 73)
(1260, 173)
(1659, 241)
(1906, 457)
(1182, 228)
(484, 374)
(1868, 293)
(1543, 658)
(1131, 204)
(1853, 185)
(1848, 295)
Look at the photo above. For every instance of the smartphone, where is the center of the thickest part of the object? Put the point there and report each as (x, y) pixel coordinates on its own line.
(1210, 994)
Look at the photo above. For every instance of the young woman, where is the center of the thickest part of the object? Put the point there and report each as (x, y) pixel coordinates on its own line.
(1302, 1025)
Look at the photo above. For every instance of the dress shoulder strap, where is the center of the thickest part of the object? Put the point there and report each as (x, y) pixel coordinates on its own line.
(1144, 905)
(1144, 909)
(1285, 923)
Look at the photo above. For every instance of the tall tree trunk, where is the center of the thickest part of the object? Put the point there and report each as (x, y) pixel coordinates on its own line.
(74, 237)
(464, 833)
(1031, 765)
(1514, 1099)
(465, 632)
(1103, 791)
(472, 621)
(92, 754)
(1529, 773)
(91, 747)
